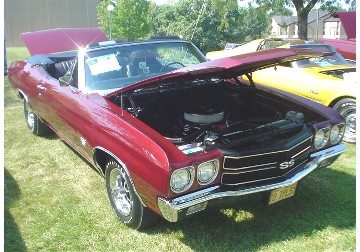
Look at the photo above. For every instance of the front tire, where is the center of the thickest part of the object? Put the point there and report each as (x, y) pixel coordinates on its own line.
(35, 125)
(124, 200)
(347, 108)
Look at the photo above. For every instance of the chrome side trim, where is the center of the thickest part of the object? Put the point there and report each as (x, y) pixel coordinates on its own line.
(121, 163)
(171, 208)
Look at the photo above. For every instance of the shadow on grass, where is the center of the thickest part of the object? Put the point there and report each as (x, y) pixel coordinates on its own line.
(324, 199)
(12, 237)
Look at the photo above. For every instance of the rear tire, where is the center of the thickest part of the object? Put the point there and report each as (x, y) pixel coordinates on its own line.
(35, 125)
(124, 200)
(347, 108)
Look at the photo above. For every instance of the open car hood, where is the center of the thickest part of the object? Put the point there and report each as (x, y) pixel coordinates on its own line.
(226, 68)
(61, 39)
(245, 63)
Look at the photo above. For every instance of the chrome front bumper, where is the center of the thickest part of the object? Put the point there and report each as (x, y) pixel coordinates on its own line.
(177, 208)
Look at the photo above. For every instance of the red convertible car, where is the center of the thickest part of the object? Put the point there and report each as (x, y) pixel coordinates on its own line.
(172, 133)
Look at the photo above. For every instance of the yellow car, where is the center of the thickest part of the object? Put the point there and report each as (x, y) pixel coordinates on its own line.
(253, 46)
(329, 80)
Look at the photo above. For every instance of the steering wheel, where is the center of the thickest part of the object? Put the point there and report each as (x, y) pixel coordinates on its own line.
(171, 63)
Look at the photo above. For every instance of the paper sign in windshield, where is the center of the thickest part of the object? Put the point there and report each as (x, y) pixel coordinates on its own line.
(103, 64)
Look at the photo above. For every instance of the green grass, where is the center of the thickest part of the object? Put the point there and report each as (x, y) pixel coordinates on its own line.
(54, 201)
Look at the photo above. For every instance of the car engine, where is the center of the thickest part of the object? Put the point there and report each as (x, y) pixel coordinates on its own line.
(206, 115)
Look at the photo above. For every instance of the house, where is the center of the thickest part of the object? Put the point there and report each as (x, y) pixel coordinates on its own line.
(321, 24)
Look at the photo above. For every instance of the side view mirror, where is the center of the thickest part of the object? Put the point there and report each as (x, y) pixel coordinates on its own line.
(65, 80)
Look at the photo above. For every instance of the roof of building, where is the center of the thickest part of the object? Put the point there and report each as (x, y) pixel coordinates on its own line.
(285, 20)
(288, 20)
(314, 14)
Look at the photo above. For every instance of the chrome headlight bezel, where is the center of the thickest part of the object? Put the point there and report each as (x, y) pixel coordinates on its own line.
(203, 177)
(186, 174)
(321, 137)
(336, 137)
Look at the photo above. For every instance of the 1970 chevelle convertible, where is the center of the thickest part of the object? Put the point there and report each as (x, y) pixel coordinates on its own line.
(173, 134)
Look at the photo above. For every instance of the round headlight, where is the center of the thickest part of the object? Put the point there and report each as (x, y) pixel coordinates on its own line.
(336, 134)
(182, 179)
(321, 138)
(207, 172)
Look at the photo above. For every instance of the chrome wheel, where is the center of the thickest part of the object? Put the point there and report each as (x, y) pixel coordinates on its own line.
(123, 198)
(29, 116)
(347, 108)
(35, 125)
(349, 115)
(119, 191)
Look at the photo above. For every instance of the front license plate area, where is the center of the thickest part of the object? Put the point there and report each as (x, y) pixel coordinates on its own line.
(282, 193)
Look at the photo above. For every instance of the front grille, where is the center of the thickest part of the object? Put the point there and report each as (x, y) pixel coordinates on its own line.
(265, 168)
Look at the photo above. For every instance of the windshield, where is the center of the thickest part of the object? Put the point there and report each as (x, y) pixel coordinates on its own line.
(113, 68)
(335, 59)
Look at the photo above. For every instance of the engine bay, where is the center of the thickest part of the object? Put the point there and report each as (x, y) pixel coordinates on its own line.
(209, 115)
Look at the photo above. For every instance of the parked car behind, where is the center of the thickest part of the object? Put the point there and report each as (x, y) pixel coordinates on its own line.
(329, 80)
(173, 134)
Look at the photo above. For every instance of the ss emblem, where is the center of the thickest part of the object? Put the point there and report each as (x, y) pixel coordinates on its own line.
(287, 164)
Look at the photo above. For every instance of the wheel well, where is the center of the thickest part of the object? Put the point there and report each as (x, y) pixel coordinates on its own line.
(338, 99)
(101, 157)
(22, 95)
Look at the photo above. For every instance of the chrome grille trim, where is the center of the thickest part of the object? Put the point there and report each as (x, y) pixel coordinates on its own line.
(267, 168)
(264, 168)
(301, 151)
(251, 166)
(273, 152)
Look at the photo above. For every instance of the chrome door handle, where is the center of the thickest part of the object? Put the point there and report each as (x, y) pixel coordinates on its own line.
(41, 87)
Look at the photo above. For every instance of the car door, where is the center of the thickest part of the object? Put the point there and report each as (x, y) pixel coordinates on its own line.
(322, 89)
(59, 104)
(33, 84)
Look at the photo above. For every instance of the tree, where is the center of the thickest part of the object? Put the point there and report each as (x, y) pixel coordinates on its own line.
(352, 4)
(303, 9)
(129, 18)
(210, 24)
(331, 5)
(275, 7)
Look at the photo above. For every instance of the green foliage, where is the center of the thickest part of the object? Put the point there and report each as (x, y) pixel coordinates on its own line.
(352, 5)
(129, 19)
(210, 24)
(275, 7)
(330, 6)
(336, 5)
